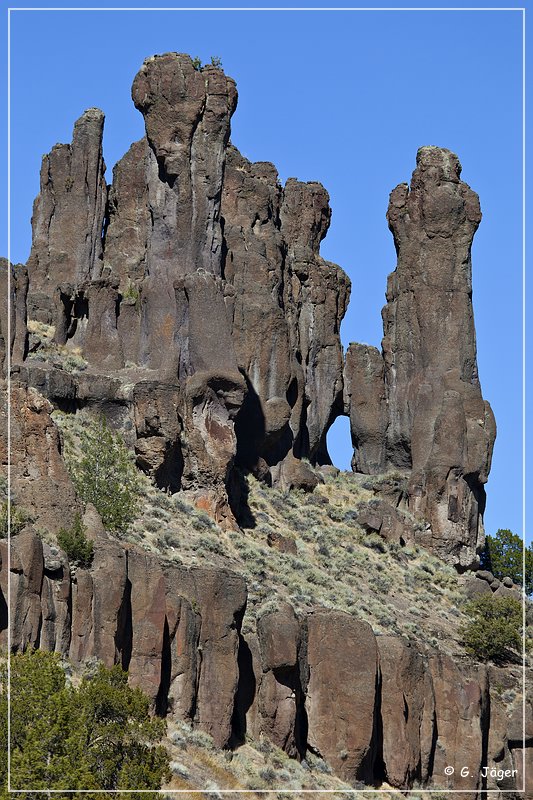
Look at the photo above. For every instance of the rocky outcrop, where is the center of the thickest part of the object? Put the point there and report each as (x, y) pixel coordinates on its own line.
(194, 232)
(198, 270)
(41, 484)
(13, 313)
(175, 630)
(317, 294)
(375, 708)
(67, 221)
(439, 425)
(282, 287)
(419, 408)
(208, 325)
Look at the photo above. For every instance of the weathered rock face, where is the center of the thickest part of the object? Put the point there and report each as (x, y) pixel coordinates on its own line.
(419, 408)
(68, 216)
(375, 708)
(461, 718)
(40, 482)
(254, 266)
(341, 693)
(407, 709)
(279, 688)
(13, 313)
(317, 294)
(187, 115)
(439, 425)
(283, 288)
(127, 609)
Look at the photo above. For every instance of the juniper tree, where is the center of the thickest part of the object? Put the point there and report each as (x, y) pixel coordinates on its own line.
(106, 476)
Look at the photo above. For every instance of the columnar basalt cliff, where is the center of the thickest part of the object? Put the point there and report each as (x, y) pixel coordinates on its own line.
(376, 708)
(207, 325)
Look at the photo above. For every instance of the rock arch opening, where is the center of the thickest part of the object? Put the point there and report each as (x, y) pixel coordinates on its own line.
(340, 443)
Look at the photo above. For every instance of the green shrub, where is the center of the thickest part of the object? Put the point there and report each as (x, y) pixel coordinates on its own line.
(98, 735)
(503, 556)
(494, 627)
(75, 543)
(106, 476)
(19, 519)
(197, 63)
(130, 295)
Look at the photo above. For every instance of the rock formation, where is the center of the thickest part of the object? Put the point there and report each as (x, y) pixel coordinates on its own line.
(197, 270)
(208, 326)
(376, 708)
(13, 313)
(67, 221)
(417, 407)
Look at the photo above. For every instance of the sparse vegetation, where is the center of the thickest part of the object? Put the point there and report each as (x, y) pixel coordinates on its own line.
(19, 519)
(336, 565)
(74, 542)
(130, 295)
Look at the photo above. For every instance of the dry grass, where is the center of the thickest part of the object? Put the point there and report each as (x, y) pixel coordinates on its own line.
(259, 767)
(402, 590)
(256, 766)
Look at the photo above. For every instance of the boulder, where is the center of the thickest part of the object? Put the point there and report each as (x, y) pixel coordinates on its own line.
(485, 575)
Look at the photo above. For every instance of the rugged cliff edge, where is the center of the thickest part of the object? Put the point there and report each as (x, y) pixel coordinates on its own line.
(188, 302)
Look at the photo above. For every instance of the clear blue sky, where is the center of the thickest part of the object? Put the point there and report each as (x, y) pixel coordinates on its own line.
(345, 98)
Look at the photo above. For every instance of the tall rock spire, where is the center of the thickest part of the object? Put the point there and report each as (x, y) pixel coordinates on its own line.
(435, 425)
(198, 273)
(68, 216)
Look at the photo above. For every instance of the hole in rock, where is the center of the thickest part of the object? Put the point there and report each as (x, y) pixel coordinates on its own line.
(339, 443)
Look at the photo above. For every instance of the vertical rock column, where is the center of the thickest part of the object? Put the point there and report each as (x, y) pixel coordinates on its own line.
(184, 329)
(439, 426)
(13, 313)
(187, 116)
(316, 296)
(68, 216)
(254, 268)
